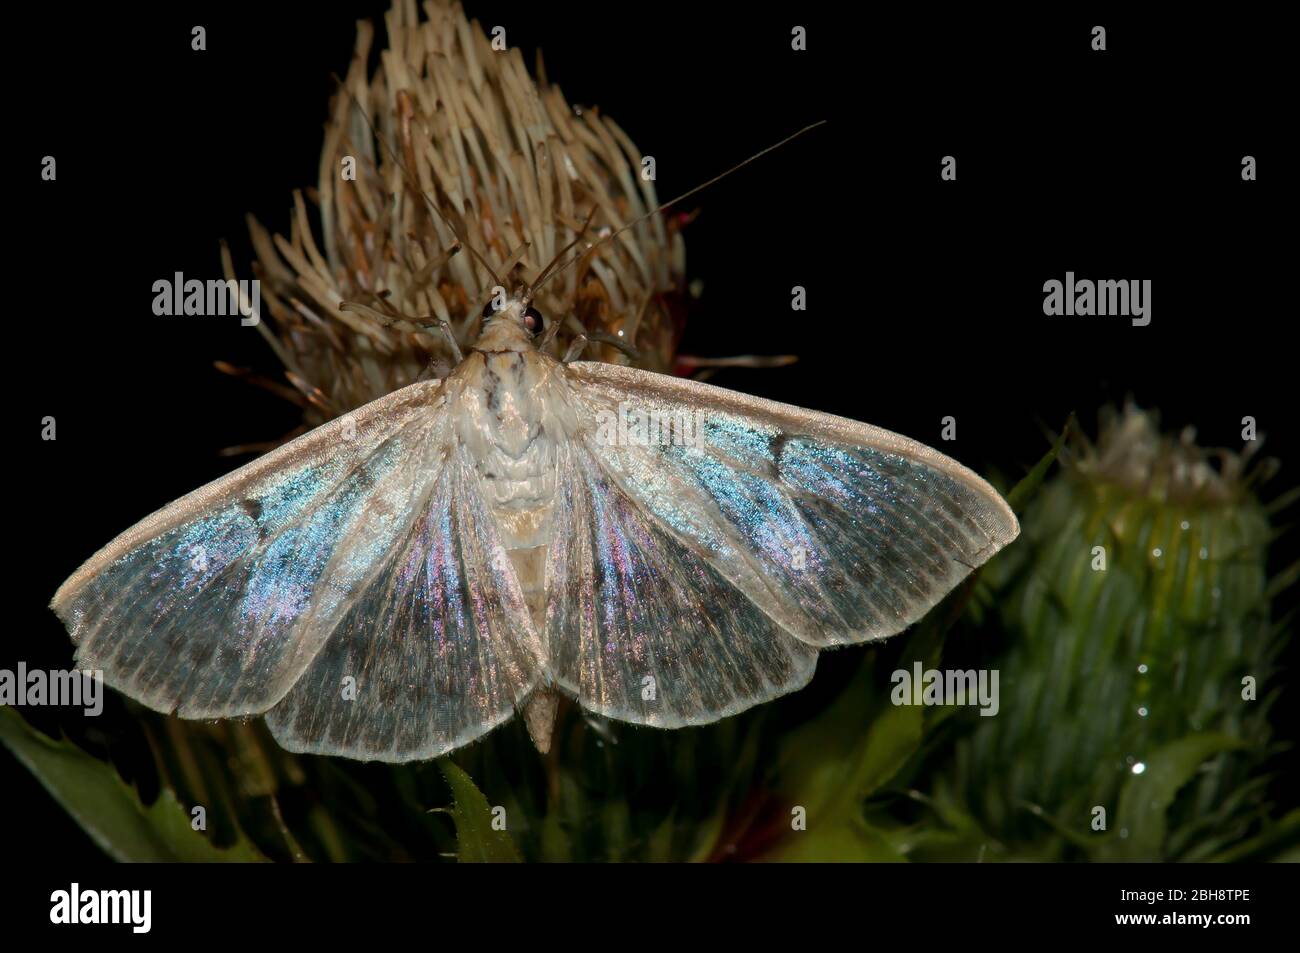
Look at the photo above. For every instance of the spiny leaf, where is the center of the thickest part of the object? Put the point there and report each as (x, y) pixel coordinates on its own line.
(476, 839)
(1032, 480)
(107, 808)
(1279, 841)
(1283, 501)
(1283, 581)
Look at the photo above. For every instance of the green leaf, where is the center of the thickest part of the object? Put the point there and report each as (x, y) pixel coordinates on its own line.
(476, 840)
(829, 765)
(892, 738)
(1146, 797)
(108, 809)
(839, 842)
(832, 763)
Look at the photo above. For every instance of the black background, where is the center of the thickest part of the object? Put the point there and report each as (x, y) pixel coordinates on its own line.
(925, 297)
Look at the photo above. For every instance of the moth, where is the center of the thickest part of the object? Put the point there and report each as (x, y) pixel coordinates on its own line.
(398, 581)
(465, 548)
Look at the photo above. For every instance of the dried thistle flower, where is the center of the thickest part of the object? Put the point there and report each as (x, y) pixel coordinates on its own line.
(506, 159)
(1131, 453)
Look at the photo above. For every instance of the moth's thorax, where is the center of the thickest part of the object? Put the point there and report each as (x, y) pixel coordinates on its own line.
(504, 331)
(508, 423)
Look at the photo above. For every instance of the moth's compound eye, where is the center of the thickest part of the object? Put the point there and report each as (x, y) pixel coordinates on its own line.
(490, 308)
(533, 320)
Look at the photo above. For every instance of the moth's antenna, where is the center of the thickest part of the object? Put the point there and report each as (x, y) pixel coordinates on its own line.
(545, 272)
(414, 184)
(547, 275)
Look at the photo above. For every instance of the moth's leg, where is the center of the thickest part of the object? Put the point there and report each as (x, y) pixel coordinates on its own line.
(399, 321)
(739, 360)
(440, 330)
(435, 370)
(576, 347)
(626, 347)
(413, 325)
(439, 368)
(445, 326)
(703, 368)
(423, 276)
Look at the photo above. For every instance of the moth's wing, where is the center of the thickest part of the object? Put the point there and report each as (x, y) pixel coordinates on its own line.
(436, 648)
(199, 608)
(216, 605)
(642, 627)
(839, 531)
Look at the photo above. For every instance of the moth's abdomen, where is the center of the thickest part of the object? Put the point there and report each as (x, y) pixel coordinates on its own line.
(519, 483)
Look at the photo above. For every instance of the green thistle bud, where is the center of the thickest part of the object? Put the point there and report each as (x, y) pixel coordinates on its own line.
(1136, 616)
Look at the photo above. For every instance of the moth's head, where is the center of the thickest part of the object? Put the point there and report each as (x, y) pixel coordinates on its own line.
(510, 323)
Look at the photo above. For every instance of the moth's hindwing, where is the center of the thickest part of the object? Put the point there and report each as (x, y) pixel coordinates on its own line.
(436, 647)
(644, 628)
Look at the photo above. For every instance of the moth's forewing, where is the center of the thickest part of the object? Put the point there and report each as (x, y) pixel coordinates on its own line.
(199, 609)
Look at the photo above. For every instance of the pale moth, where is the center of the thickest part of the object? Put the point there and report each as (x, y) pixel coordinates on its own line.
(397, 582)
